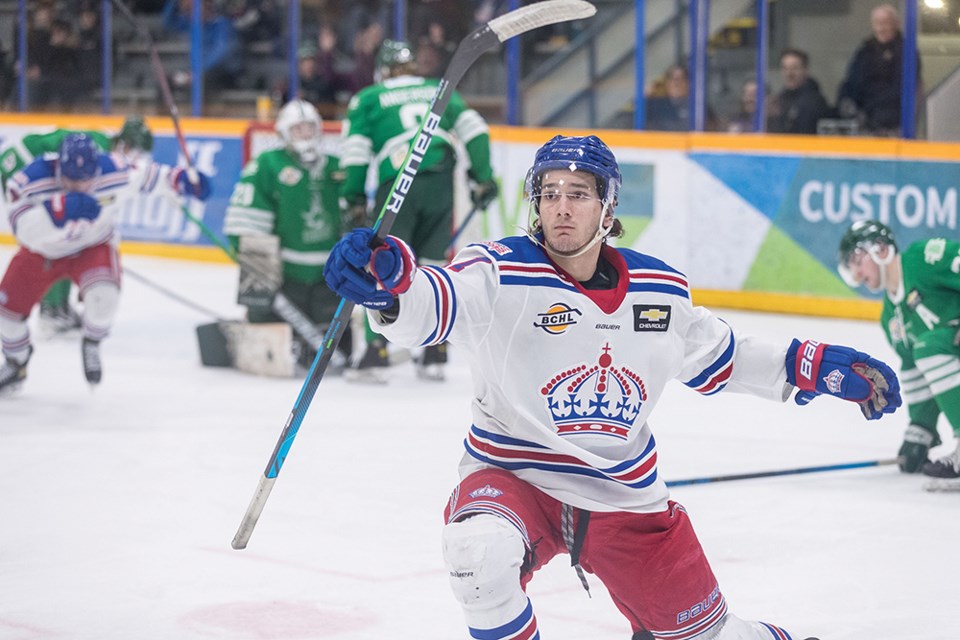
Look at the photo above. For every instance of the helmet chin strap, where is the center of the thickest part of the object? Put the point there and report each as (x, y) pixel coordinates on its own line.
(599, 235)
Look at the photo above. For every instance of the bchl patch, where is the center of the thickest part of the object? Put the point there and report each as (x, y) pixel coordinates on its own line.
(833, 381)
(558, 318)
(651, 317)
(290, 176)
(498, 248)
(485, 491)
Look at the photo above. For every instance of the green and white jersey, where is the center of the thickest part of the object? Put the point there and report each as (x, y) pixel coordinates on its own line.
(22, 152)
(382, 120)
(916, 322)
(277, 195)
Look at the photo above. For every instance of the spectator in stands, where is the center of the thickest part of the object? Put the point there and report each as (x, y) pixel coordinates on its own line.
(6, 76)
(257, 21)
(668, 109)
(315, 88)
(359, 27)
(671, 110)
(799, 105)
(222, 54)
(89, 45)
(871, 88)
(743, 121)
(343, 74)
(434, 50)
(56, 80)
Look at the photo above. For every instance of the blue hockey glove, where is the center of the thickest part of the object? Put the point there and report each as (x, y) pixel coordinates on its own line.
(817, 368)
(184, 186)
(74, 205)
(371, 278)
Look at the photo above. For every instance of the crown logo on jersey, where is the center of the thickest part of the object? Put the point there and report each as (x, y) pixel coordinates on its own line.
(598, 398)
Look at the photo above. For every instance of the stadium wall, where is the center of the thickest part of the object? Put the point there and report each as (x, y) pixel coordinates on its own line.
(754, 221)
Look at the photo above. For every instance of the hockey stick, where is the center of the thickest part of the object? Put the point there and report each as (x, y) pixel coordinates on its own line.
(470, 49)
(172, 295)
(161, 76)
(782, 472)
(461, 228)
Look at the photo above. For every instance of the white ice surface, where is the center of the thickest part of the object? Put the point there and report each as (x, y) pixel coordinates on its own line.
(117, 506)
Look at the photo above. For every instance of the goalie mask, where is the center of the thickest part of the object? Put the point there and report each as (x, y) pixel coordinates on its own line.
(299, 126)
(865, 238)
(577, 153)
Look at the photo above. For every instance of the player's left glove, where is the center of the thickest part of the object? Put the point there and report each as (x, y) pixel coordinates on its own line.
(185, 187)
(370, 277)
(843, 372)
(74, 205)
(483, 193)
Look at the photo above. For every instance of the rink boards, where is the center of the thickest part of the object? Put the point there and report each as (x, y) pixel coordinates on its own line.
(754, 221)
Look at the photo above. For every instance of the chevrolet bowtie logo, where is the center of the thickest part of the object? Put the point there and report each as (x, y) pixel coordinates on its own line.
(653, 314)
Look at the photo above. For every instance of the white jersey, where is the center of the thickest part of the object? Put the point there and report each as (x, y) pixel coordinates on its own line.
(566, 378)
(30, 190)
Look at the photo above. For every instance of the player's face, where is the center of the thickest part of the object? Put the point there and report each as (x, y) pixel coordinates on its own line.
(570, 209)
(864, 269)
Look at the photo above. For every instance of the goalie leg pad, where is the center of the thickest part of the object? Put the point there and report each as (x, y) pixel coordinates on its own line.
(484, 554)
(100, 302)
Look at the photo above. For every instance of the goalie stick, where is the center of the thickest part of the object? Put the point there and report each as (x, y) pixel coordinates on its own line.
(782, 472)
(470, 49)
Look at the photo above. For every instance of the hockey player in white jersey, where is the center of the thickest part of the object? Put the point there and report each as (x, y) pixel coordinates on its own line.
(63, 210)
(571, 343)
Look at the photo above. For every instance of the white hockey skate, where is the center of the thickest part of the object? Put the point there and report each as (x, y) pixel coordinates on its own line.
(12, 374)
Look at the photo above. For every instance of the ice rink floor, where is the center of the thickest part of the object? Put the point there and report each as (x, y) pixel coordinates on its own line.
(117, 506)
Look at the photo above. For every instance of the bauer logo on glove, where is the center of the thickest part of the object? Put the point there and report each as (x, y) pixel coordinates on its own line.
(816, 368)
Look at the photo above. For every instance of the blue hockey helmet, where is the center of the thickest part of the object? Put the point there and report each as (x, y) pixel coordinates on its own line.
(79, 157)
(577, 153)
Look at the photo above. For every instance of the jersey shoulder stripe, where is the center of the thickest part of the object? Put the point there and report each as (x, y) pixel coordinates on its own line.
(445, 304)
(714, 378)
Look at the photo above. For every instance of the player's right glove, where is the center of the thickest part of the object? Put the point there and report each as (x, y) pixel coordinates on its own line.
(843, 372)
(74, 205)
(483, 193)
(917, 442)
(370, 277)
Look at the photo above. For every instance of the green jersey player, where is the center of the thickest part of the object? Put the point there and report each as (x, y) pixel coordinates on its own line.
(921, 317)
(380, 123)
(133, 140)
(290, 196)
